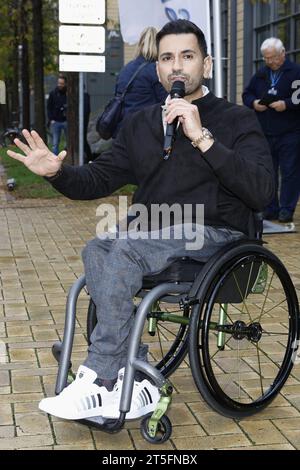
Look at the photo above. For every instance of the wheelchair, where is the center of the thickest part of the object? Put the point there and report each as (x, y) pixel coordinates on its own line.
(234, 320)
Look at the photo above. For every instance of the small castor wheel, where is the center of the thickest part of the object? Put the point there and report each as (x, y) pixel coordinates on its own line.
(163, 432)
(56, 350)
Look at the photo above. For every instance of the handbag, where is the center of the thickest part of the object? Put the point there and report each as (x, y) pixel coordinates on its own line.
(108, 121)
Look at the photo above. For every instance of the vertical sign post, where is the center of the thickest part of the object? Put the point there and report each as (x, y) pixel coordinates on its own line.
(85, 42)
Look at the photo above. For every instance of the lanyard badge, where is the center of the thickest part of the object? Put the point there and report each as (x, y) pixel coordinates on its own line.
(274, 77)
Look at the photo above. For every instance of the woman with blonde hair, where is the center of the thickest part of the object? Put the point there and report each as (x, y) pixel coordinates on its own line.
(145, 89)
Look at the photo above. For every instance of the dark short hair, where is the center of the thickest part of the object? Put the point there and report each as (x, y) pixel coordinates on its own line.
(183, 27)
(62, 77)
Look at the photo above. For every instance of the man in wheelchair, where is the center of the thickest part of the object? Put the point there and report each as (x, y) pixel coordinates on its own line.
(219, 159)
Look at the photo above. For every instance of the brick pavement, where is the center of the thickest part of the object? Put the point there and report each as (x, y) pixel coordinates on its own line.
(40, 244)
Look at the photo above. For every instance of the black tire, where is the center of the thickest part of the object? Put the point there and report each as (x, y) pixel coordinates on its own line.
(171, 341)
(164, 430)
(256, 330)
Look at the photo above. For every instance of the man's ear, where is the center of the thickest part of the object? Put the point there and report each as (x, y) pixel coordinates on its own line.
(207, 73)
(157, 71)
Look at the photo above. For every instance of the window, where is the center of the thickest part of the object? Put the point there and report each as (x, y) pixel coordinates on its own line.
(282, 30)
(277, 18)
(283, 8)
(263, 13)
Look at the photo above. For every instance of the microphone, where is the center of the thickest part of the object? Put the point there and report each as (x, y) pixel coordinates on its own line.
(177, 91)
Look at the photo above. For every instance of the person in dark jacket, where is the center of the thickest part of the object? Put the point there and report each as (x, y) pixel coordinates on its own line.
(279, 116)
(57, 112)
(146, 88)
(220, 159)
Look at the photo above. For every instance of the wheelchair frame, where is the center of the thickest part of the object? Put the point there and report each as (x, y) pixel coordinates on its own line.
(196, 293)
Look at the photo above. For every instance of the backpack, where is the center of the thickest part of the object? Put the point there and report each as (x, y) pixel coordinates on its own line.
(108, 121)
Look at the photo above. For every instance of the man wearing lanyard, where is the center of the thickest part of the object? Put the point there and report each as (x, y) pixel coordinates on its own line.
(270, 94)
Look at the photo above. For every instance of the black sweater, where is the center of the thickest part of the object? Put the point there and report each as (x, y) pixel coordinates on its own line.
(233, 178)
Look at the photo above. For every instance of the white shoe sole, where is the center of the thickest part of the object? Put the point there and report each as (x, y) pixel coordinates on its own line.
(71, 416)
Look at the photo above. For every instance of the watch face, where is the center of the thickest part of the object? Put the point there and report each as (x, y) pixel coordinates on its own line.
(206, 133)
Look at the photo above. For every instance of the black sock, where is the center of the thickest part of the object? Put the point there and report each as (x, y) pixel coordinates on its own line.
(107, 383)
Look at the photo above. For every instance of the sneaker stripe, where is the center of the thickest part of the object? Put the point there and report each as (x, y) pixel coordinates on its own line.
(145, 397)
(94, 401)
(149, 395)
(88, 403)
(99, 399)
(141, 397)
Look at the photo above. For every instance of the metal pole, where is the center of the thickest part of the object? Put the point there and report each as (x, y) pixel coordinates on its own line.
(217, 48)
(20, 53)
(233, 50)
(81, 117)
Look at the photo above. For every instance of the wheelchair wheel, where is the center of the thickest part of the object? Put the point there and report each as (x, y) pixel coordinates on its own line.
(244, 332)
(164, 430)
(169, 344)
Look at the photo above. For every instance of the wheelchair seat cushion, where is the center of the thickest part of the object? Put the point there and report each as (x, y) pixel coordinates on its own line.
(181, 270)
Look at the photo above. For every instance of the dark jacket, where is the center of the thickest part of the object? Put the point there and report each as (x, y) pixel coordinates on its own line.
(144, 91)
(57, 105)
(233, 178)
(273, 122)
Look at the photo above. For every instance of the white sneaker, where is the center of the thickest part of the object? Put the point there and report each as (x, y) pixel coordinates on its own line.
(82, 399)
(145, 397)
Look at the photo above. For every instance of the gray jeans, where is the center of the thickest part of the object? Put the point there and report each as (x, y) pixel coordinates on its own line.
(114, 272)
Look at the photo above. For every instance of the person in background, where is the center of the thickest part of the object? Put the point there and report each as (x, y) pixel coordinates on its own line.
(279, 117)
(146, 88)
(57, 112)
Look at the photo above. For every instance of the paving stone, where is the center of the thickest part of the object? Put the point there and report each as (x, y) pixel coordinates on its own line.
(26, 442)
(70, 432)
(22, 355)
(22, 330)
(215, 424)
(6, 416)
(32, 424)
(293, 437)
(26, 384)
(262, 432)
(180, 414)
(7, 432)
(120, 441)
(211, 442)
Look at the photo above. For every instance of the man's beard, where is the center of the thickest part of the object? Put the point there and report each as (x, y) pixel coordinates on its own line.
(190, 88)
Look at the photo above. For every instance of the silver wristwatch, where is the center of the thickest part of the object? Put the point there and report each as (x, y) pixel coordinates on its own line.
(206, 135)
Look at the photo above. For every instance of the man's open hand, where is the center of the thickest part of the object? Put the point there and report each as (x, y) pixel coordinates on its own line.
(38, 157)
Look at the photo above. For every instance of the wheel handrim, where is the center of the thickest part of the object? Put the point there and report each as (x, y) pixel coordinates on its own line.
(262, 361)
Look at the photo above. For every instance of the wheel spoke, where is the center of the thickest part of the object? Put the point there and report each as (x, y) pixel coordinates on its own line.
(265, 299)
(242, 296)
(259, 366)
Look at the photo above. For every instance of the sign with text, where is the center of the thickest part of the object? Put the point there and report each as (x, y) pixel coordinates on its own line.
(82, 11)
(82, 39)
(81, 63)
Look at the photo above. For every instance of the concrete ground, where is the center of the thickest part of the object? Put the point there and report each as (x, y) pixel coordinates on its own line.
(40, 245)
